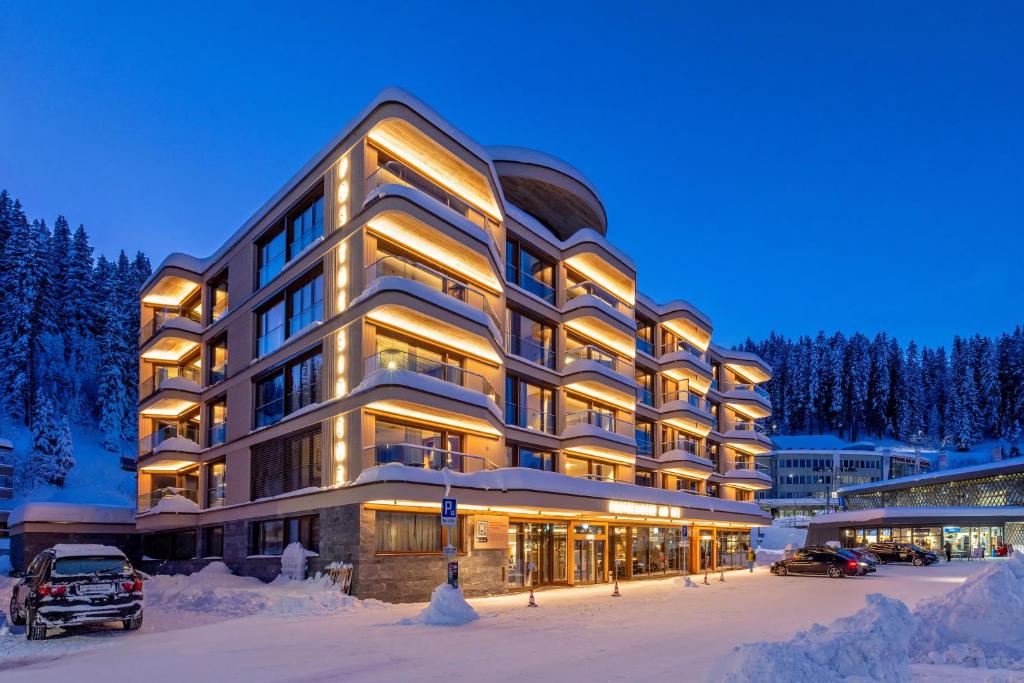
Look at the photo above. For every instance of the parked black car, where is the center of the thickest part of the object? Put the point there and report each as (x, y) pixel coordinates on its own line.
(902, 552)
(867, 560)
(817, 561)
(71, 585)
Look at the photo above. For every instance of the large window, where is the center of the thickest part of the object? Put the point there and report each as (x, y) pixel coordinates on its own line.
(270, 256)
(287, 240)
(175, 545)
(217, 421)
(306, 226)
(217, 352)
(529, 271)
(286, 464)
(416, 446)
(272, 536)
(216, 484)
(412, 532)
(289, 313)
(307, 303)
(213, 541)
(576, 466)
(530, 457)
(529, 405)
(289, 387)
(270, 329)
(645, 336)
(645, 387)
(218, 293)
(644, 430)
(530, 339)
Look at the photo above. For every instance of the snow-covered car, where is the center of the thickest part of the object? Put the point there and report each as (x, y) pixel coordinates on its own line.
(823, 561)
(903, 552)
(75, 584)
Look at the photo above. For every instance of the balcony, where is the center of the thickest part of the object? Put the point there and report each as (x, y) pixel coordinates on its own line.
(528, 282)
(423, 457)
(748, 437)
(217, 433)
(163, 316)
(644, 346)
(686, 348)
(148, 501)
(396, 266)
(188, 432)
(396, 173)
(396, 360)
(588, 288)
(188, 380)
(527, 418)
(600, 357)
(529, 349)
(274, 410)
(219, 372)
(219, 311)
(688, 397)
(748, 475)
(645, 396)
(748, 387)
(603, 421)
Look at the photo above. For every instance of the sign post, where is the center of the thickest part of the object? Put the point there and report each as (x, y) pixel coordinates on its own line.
(449, 521)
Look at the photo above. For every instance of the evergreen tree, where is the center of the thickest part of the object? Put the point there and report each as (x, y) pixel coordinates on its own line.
(877, 397)
(857, 368)
(962, 403)
(64, 457)
(20, 282)
(45, 440)
(913, 426)
(986, 377)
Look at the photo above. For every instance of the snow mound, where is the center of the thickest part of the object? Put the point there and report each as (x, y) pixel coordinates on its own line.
(976, 623)
(215, 590)
(871, 645)
(175, 503)
(448, 607)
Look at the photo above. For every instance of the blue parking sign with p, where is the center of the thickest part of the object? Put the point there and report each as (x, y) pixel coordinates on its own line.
(448, 512)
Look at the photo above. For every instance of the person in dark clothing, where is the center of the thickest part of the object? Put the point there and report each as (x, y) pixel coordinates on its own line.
(949, 551)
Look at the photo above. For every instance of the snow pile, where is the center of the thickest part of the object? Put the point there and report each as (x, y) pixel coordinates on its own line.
(215, 590)
(175, 503)
(977, 624)
(448, 607)
(293, 562)
(871, 645)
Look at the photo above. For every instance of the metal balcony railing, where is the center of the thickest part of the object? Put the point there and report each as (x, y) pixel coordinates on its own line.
(148, 501)
(530, 283)
(396, 266)
(396, 173)
(695, 400)
(593, 353)
(149, 442)
(398, 360)
(414, 455)
(593, 289)
(537, 420)
(530, 349)
(685, 347)
(604, 421)
(680, 444)
(161, 374)
(161, 316)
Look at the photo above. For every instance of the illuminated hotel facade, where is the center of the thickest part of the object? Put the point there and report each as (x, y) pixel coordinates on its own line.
(414, 313)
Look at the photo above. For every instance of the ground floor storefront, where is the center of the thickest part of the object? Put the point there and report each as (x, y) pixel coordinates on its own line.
(966, 541)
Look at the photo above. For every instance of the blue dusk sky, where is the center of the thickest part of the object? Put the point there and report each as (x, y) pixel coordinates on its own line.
(793, 167)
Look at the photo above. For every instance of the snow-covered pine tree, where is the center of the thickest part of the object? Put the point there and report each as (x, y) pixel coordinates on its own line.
(823, 381)
(856, 369)
(913, 396)
(837, 402)
(897, 406)
(963, 398)
(79, 339)
(986, 377)
(64, 456)
(45, 437)
(795, 389)
(877, 396)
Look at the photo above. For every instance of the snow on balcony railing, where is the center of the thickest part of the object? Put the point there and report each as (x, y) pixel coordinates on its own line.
(396, 266)
(163, 373)
(414, 455)
(399, 360)
(150, 442)
(148, 501)
(161, 316)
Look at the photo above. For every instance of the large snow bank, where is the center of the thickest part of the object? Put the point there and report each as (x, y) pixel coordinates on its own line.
(978, 623)
(215, 590)
(871, 645)
(448, 607)
(777, 538)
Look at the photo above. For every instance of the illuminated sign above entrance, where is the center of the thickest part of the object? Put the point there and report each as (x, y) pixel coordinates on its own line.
(625, 507)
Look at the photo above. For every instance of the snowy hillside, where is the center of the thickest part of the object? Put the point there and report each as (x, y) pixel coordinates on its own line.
(96, 477)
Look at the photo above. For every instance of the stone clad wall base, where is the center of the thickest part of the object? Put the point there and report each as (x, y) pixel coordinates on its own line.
(25, 546)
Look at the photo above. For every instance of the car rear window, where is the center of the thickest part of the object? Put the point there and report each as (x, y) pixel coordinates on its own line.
(76, 566)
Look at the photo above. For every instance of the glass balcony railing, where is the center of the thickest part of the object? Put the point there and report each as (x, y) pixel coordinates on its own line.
(750, 466)
(217, 433)
(527, 418)
(273, 410)
(161, 374)
(270, 341)
(274, 265)
(530, 349)
(748, 427)
(600, 356)
(644, 346)
(746, 386)
(595, 290)
(530, 283)
(396, 173)
(601, 420)
(305, 238)
(645, 396)
(396, 360)
(695, 400)
(685, 347)
(219, 310)
(161, 316)
(395, 266)
(644, 444)
(219, 372)
(424, 457)
(314, 313)
(150, 442)
(148, 501)
(682, 444)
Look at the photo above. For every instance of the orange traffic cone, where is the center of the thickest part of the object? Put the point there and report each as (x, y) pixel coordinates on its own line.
(616, 593)
(532, 602)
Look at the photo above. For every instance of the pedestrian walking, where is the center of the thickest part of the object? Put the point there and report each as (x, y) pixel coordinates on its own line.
(949, 551)
(751, 557)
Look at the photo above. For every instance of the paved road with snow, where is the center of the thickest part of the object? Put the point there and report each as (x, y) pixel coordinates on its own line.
(657, 629)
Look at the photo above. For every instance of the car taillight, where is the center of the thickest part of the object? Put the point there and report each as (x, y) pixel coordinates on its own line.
(851, 564)
(132, 586)
(43, 589)
(58, 589)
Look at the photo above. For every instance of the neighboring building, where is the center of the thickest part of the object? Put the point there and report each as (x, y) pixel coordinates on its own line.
(971, 507)
(6, 470)
(808, 471)
(411, 301)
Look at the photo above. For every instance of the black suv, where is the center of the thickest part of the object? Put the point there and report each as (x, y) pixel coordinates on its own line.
(71, 585)
(902, 552)
(817, 561)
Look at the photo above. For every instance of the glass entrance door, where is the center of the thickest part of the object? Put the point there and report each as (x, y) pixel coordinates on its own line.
(542, 552)
(588, 557)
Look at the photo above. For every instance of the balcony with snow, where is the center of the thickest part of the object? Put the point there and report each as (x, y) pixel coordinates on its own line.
(679, 402)
(609, 435)
(747, 475)
(681, 455)
(171, 302)
(595, 371)
(747, 436)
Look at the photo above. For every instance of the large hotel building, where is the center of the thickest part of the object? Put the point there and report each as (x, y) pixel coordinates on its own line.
(415, 314)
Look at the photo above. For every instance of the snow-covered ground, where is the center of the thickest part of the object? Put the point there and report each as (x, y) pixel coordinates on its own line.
(221, 627)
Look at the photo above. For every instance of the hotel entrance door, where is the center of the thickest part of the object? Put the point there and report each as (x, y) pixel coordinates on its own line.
(588, 557)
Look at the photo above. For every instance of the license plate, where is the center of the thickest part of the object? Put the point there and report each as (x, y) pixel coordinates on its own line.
(96, 588)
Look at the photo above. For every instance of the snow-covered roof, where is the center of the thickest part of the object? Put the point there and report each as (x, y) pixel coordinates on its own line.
(6, 445)
(936, 513)
(523, 478)
(71, 512)
(821, 442)
(86, 550)
(972, 472)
